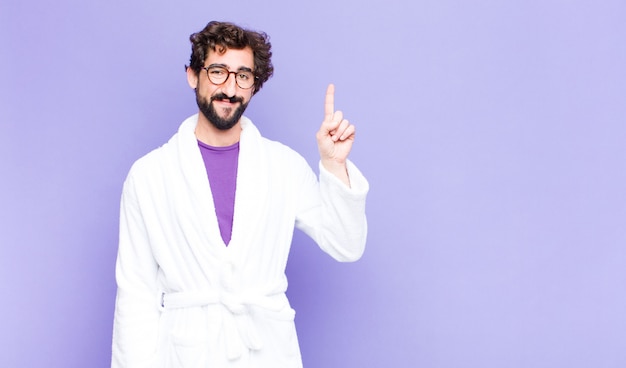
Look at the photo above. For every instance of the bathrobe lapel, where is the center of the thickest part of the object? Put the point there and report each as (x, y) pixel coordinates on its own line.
(195, 202)
(251, 187)
(198, 216)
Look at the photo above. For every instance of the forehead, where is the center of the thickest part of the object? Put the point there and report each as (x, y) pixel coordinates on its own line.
(232, 58)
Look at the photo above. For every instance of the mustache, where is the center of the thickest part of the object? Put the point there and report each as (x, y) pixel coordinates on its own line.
(222, 96)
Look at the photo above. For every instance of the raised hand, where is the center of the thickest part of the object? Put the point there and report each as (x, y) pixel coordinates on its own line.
(335, 138)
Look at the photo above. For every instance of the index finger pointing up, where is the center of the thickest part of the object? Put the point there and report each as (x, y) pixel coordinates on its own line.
(329, 105)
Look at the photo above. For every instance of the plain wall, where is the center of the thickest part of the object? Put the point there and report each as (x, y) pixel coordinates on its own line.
(492, 133)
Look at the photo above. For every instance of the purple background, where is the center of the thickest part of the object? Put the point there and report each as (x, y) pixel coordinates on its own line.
(492, 133)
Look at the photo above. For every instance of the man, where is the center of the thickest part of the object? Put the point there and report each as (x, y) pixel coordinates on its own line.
(207, 220)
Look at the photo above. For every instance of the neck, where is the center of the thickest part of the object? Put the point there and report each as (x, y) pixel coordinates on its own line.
(209, 134)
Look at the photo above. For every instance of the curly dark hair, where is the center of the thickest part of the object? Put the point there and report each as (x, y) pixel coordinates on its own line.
(221, 36)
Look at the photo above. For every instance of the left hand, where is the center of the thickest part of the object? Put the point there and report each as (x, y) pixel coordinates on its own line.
(336, 135)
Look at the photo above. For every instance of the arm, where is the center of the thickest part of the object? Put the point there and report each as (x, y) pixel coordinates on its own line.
(136, 309)
(333, 211)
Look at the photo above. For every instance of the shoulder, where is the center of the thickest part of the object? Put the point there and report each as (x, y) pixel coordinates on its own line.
(155, 161)
(251, 133)
(159, 157)
(147, 166)
(282, 153)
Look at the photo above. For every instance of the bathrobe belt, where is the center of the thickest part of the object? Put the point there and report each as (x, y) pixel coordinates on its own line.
(239, 329)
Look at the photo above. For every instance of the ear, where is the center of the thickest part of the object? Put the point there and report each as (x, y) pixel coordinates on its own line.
(192, 78)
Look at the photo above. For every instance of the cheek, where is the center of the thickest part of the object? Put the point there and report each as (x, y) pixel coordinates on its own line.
(247, 96)
(206, 91)
(205, 88)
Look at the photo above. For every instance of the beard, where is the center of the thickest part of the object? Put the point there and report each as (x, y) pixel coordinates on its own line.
(221, 123)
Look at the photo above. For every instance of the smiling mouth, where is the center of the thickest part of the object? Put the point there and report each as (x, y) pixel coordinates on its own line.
(224, 98)
(226, 101)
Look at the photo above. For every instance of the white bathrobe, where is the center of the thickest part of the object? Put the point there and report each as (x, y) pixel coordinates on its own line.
(187, 300)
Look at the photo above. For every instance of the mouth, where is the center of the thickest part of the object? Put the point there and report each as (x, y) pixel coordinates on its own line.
(225, 99)
(224, 103)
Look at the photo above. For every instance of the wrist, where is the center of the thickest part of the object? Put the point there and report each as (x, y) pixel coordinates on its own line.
(338, 169)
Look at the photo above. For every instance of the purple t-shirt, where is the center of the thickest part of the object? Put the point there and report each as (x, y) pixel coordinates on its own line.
(221, 167)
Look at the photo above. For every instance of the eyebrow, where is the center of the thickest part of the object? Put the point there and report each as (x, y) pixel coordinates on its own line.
(241, 68)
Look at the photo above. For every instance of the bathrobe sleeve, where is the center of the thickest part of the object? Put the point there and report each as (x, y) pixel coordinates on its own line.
(333, 214)
(136, 311)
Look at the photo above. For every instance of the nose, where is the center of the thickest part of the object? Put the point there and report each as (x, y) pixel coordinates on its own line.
(230, 85)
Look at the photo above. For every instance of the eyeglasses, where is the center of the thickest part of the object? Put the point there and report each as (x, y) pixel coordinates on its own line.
(218, 75)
